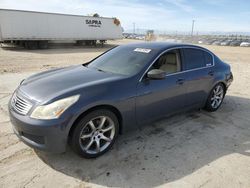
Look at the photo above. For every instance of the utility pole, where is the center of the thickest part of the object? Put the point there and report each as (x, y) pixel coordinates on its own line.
(134, 29)
(192, 32)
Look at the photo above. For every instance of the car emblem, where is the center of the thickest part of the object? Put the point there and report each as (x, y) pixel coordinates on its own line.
(14, 101)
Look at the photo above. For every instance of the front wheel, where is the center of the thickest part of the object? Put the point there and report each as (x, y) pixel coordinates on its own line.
(215, 98)
(95, 133)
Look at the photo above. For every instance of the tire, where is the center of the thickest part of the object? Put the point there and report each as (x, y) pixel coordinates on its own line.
(100, 126)
(87, 42)
(215, 98)
(79, 42)
(26, 44)
(43, 45)
(31, 45)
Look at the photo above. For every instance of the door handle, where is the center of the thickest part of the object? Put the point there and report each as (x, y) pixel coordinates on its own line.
(211, 73)
(180, 81)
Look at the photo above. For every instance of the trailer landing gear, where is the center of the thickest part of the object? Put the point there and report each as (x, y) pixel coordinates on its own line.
(102, 42)
(91, 42)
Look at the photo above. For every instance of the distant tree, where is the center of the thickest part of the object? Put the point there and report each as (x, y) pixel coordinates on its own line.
(96, 15)
(116, 21)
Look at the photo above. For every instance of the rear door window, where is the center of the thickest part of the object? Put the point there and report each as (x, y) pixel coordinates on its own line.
(196, 58)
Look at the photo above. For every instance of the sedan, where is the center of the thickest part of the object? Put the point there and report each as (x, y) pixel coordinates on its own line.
(235, 43)
(87, 106)
(245, 44)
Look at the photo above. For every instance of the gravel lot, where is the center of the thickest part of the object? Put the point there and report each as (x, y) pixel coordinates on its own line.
(194, 149)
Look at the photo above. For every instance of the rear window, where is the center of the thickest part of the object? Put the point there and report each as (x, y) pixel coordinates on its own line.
(208, 59)
(195, 58)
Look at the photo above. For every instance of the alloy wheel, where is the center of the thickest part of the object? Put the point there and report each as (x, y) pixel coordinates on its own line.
(97, 134)
(217, 96)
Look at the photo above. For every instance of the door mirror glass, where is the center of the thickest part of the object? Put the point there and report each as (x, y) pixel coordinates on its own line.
(156, 74)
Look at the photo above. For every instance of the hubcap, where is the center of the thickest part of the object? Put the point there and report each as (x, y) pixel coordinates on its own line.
(97, 134)
(217, 96)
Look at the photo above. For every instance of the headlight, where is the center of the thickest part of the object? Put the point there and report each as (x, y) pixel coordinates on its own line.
(55, 109)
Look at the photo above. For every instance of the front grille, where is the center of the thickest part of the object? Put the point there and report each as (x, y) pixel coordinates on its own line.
(20, 105)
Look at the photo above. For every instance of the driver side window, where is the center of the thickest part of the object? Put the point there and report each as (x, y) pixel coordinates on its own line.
(169, 62)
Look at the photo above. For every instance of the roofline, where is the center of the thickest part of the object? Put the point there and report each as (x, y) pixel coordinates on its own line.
(30, 11)
(167, 44)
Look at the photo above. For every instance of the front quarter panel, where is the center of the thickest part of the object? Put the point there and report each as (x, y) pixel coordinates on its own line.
(118, 94)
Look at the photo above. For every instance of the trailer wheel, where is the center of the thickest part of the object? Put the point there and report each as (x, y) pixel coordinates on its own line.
(87, 42)
(79, 42)
(43, 44)
(22, 43)
(93, 42)
(31, 45)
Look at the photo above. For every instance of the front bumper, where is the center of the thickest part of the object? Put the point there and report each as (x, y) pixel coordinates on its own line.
(47, 135)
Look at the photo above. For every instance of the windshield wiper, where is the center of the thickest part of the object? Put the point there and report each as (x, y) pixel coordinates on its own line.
(100, 70)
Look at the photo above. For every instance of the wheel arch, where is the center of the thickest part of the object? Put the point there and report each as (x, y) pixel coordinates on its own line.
(107, 107)
(223, 83)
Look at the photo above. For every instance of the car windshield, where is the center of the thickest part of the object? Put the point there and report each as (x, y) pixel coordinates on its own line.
(123, 60)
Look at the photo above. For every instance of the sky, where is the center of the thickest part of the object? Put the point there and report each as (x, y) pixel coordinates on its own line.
(162, 15)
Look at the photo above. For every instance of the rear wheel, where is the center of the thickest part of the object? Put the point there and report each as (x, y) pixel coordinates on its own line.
(215, 98)
(31, 45)
(95, 133)
(43, 44)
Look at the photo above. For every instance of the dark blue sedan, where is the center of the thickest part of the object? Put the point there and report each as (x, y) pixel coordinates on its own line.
(89, 105)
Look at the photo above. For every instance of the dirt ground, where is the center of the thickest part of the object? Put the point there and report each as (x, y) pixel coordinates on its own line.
(194, 149)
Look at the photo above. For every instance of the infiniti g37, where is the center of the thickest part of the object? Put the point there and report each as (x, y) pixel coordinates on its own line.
(88, 106)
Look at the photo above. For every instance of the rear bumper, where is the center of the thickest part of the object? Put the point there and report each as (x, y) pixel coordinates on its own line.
(47, 135)
(229, 79)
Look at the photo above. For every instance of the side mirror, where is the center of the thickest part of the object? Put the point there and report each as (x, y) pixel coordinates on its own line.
(156, 74)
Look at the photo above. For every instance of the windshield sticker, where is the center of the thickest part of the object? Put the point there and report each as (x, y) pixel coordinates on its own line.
(143, 50)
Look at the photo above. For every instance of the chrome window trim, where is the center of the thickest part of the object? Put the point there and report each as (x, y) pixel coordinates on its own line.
(177, 48)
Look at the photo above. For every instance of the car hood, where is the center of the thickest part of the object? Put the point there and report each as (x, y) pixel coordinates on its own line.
(50, 84)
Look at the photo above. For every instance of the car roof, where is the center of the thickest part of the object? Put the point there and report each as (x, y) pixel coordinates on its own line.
(161, 46)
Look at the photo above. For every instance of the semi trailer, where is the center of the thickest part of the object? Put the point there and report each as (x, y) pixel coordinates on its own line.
(36, 29)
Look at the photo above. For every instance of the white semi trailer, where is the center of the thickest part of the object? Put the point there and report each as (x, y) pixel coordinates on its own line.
(35, 29)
